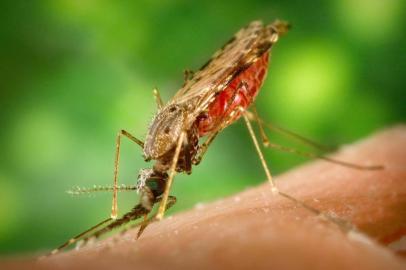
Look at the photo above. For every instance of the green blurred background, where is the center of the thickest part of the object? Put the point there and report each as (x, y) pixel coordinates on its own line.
(75, 72)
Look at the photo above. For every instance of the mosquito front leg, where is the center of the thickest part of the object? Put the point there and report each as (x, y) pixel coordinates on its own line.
(114, 208)
(158, 98)
(172, 172)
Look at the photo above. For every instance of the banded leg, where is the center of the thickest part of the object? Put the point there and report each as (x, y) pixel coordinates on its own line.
(114, 208)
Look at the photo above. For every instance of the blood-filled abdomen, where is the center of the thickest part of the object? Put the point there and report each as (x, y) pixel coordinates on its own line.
(241, 92)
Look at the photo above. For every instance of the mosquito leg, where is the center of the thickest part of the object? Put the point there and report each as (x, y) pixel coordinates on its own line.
(203, 148)
(188, 157)
(158, 98)
(172, 172)
(254, 116)
(121, 133)
(335, 161)
(78, 237)
(223, 123)
(345, 226)
(261, 156)
(265, 140)
(171, 202)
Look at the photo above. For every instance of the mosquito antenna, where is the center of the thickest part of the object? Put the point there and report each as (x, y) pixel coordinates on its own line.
(83, 191)
(311, 155)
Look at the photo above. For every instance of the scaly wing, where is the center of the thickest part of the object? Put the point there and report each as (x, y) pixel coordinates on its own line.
(242, 50)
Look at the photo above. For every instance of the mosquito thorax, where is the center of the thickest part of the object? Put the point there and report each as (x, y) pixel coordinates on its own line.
(164, 131)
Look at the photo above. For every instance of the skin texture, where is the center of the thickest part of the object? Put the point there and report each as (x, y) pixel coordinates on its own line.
(255, 229)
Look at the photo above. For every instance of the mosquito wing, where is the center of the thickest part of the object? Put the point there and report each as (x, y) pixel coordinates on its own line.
(242, 50)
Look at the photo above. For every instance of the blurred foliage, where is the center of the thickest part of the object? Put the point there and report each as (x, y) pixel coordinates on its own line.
(74, 72)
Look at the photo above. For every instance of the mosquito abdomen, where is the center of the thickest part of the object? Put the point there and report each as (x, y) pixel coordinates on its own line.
(243, 89)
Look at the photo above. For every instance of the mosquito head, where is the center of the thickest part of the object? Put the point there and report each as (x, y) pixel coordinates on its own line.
(164, 131)
(152, 180)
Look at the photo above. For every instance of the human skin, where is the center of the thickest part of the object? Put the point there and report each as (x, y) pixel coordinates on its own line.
(259, 230)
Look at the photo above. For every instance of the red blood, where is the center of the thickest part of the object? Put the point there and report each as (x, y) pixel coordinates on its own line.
(243, 88)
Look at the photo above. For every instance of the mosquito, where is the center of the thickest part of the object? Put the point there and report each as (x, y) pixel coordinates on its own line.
(211, 99)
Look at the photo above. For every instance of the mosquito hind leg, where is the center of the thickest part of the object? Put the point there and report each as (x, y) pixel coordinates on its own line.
(225, 120)
(345, 226)
(114, 208)
(253, 116)
(265, 139)
(258, 148)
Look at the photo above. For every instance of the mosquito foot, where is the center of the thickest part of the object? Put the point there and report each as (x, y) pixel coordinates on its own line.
(343, 224)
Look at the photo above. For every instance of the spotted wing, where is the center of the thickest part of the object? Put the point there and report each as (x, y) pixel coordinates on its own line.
(243, 49)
